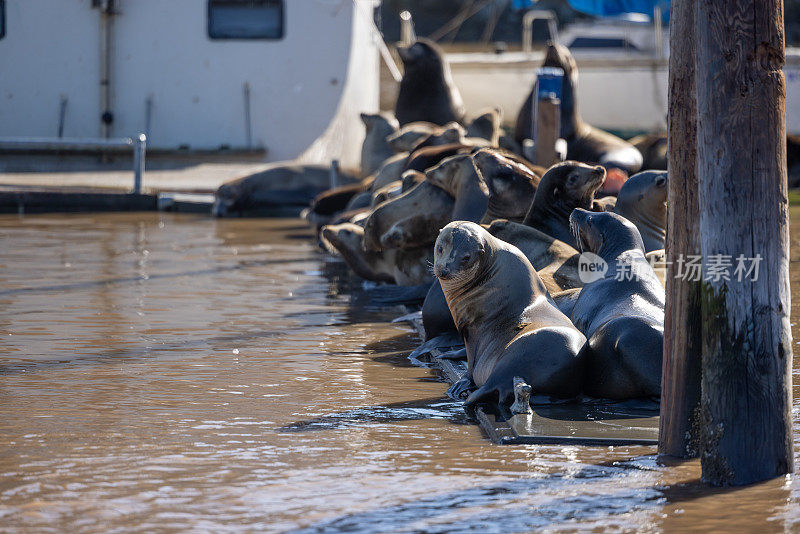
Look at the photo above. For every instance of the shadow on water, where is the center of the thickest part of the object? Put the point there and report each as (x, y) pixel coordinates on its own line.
(143, 278)
(437, 408)
(120, 356)
(506, 503)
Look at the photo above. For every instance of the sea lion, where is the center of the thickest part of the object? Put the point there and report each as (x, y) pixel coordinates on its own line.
(411, 178)
(412, 219)
(434, 144)
(427, 92)
(622, 313)
(604, 203)
(425, 158)
(487, 125)
(510, 325)
(654, 150)
(512, 184)
(421, 134)
(408, 267)
(459, 176)
(328, 204)
(390, 171)
(584, 142)
(486, 185)
(375, 149)
(279, 185)
(555, 262)
(564, 187)
(387, 192)
(643, 201)
(407, 137)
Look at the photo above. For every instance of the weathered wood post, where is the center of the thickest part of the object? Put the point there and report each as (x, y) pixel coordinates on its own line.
(548, 127)
(747, 352)
(546, 119)
(680, 384)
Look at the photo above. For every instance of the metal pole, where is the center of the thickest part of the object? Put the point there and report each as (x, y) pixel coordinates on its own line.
(247, 126)
(148, 114)
(139, 147)
(62, 114)
(407, 34)
(658, 32)
(334, 173)
(106, 22)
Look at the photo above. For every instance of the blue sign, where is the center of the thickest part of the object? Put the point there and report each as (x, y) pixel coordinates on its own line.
(549, 81)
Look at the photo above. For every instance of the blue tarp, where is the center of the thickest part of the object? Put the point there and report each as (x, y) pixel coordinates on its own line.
(610, 8)
(616, 8)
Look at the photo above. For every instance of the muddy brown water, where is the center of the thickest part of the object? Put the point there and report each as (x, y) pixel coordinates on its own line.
(177, 373)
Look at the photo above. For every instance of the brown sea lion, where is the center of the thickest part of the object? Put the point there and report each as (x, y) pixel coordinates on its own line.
(555, 261)
(510, 325)
(564, 187)
(604, 203)
(487, 125)
(584, 142)
(411, 178)
(421, 134)
(279, 185)
(393, 167)
(621, 313)
(387, 192)
(408, 267)
(427, 92)
(328, 204)
(375, 149)
(512, 184)
(643, 201)
(654, 150)
(407, 137)
(486, 185)
(423, 211)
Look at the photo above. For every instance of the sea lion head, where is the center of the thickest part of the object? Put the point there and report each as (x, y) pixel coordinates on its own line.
(380, 122)
(644, 195)
(487, 126)
(411, 178)
(569, 185)
(511, 184)
(449, 172)
(450, 133)
(559, 56)
(459, 253)
(345, 237)
(409, 136)
(422, 56)
(604, 233)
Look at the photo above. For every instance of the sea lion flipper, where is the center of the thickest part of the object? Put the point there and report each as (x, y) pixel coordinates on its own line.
(460, 354)
(461, 388)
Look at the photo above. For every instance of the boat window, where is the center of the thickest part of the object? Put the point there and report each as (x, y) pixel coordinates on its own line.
(245, 19)
(602, 42)
(2, 19)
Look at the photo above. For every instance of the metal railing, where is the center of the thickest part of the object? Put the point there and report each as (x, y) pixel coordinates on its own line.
(527, 28)
(138, 145)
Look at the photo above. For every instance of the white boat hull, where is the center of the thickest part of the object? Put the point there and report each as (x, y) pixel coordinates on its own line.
(621, 93)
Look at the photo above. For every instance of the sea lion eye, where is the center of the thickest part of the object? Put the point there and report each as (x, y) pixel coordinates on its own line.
(466, 258)
(439, 249)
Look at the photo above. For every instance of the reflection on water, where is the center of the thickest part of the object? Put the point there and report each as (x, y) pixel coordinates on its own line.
(176, 372)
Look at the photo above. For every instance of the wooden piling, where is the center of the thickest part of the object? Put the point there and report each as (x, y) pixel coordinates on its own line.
(680, 384)
(548, 128)
(745, 404)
